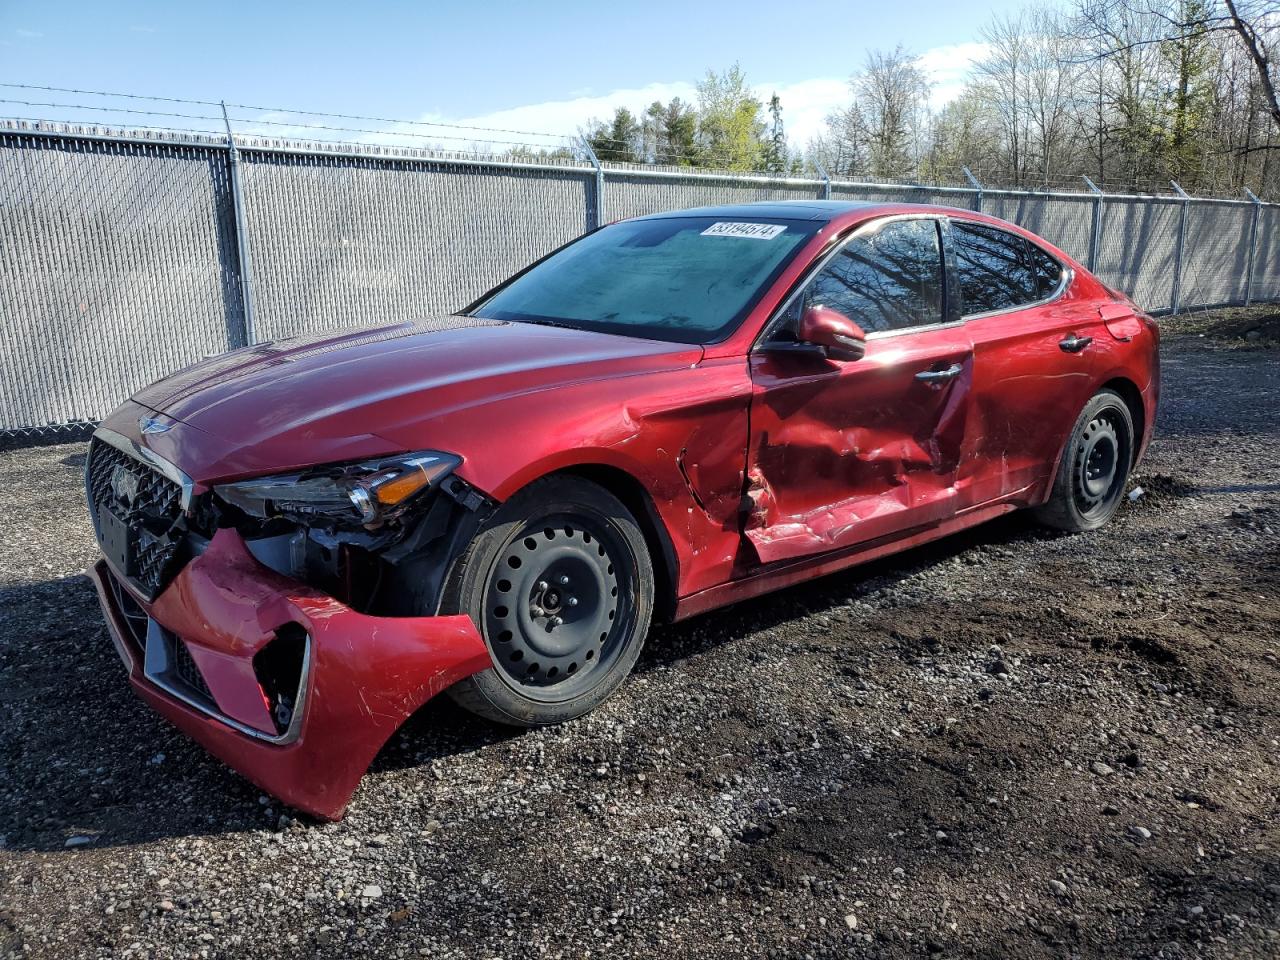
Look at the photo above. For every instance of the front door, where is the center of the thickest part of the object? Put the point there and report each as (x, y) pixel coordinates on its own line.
(842, 453)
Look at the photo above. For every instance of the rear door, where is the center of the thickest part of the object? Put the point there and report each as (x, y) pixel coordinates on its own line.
(1034, 357)
(846, 452)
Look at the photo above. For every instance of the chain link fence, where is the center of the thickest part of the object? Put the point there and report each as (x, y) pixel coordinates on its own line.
(125, 257)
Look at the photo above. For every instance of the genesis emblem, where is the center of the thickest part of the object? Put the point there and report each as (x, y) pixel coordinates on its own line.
(124, 484)
(149, 425)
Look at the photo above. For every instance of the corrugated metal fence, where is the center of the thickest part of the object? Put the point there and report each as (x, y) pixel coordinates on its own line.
(125, 258)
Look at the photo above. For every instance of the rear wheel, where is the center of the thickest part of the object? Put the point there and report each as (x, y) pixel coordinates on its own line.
(1095, 466)
(561, 585)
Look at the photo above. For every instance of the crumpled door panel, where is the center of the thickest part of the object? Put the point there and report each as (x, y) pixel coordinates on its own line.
(845, 453)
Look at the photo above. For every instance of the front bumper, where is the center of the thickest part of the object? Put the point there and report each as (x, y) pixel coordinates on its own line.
(362, 676)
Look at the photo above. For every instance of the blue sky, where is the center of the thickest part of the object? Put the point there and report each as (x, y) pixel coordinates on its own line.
(546, 66)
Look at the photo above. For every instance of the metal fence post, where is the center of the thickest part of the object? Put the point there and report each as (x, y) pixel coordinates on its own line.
(242, 234)
(1095, 229)
(977, 186)
(597, 208)
(826, 179)
(1179, 248)
(1250, 263)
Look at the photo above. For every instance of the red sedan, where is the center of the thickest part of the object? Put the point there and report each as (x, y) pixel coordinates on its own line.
(305, 540)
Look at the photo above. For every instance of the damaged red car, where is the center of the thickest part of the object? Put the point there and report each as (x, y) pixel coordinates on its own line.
(305, 540)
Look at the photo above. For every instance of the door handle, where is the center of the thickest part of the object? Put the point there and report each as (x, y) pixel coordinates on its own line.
(939, 376)
(1074, 344)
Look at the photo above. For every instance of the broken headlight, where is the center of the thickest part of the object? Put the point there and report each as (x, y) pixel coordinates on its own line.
(365, 493)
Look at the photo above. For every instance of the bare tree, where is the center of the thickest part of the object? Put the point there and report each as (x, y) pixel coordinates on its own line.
(883, 130)
(1049, 78)
(1002, 80)
(842, 149)
(893, 94)
(1255, 24)
(1134, 92)
(963, 134)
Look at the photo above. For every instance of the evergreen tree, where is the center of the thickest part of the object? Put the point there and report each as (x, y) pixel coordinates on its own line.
(775, 148)
(670, 132)
(619, 140)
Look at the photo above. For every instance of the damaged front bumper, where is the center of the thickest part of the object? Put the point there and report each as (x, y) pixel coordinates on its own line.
(288, 686)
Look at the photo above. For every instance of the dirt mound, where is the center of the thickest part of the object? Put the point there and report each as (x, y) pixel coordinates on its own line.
(1148, 491)
(1239, 326)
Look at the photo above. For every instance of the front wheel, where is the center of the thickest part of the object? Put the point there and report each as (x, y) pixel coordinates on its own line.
(560, 583)
(1095, 466)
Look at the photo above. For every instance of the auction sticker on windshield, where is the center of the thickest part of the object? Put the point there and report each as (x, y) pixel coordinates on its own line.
(752, 231)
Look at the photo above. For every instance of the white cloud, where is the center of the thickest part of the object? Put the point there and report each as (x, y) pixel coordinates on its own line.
(949, 67)
(805, 107)
(553, 123)
(805, 104)
(566, 117)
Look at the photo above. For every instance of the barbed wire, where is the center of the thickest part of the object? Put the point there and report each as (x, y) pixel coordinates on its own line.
(695, 156)
(219, 138)
(104, 93)
(550, 140)
(545, 141)
(292, 125)
(639, 154)
(85, 106)
(310, 113)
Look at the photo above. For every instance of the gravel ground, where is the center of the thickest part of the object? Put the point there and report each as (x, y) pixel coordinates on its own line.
(1010, 743)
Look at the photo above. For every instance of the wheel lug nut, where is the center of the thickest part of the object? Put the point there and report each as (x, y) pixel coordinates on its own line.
(556, 621)
(542, 584)
(572, 601)
(564, 580)
(536, 611)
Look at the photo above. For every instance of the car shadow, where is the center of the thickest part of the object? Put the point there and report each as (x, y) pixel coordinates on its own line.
(83, 760)
(670, 643)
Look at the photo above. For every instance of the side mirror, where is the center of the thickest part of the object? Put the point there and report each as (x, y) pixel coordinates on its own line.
(839, 337)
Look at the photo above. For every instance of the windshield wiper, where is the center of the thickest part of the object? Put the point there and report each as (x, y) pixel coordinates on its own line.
(546, 322)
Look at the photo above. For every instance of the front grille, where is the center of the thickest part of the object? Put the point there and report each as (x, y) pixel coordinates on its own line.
(148, 503)
(185, 667)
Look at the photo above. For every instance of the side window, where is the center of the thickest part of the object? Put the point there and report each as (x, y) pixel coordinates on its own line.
(1048, 272)
(888, 280)
(999, 270)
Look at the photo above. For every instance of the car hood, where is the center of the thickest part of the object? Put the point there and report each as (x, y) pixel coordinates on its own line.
(366, 391)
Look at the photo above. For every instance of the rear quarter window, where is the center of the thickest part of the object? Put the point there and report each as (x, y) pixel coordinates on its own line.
(999, 270)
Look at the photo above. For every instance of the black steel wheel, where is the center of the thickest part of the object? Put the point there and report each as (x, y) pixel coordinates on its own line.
(1095, 466)
(561, 585)
(1097, 462)
(556, 605)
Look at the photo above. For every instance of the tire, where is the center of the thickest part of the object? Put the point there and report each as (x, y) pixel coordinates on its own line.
(560, 583)
(1094, 469)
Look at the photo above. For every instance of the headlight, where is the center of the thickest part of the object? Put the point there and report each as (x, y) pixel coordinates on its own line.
(367, 492)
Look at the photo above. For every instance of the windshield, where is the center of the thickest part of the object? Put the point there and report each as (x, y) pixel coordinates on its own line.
(685, 279)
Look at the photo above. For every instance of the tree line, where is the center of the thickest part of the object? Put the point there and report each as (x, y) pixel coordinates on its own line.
(727, 128)
(1132, 93)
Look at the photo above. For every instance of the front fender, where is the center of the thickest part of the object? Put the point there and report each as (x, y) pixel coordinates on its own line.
(681, 434)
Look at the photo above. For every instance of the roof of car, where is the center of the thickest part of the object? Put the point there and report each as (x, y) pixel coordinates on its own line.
(779, 209)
